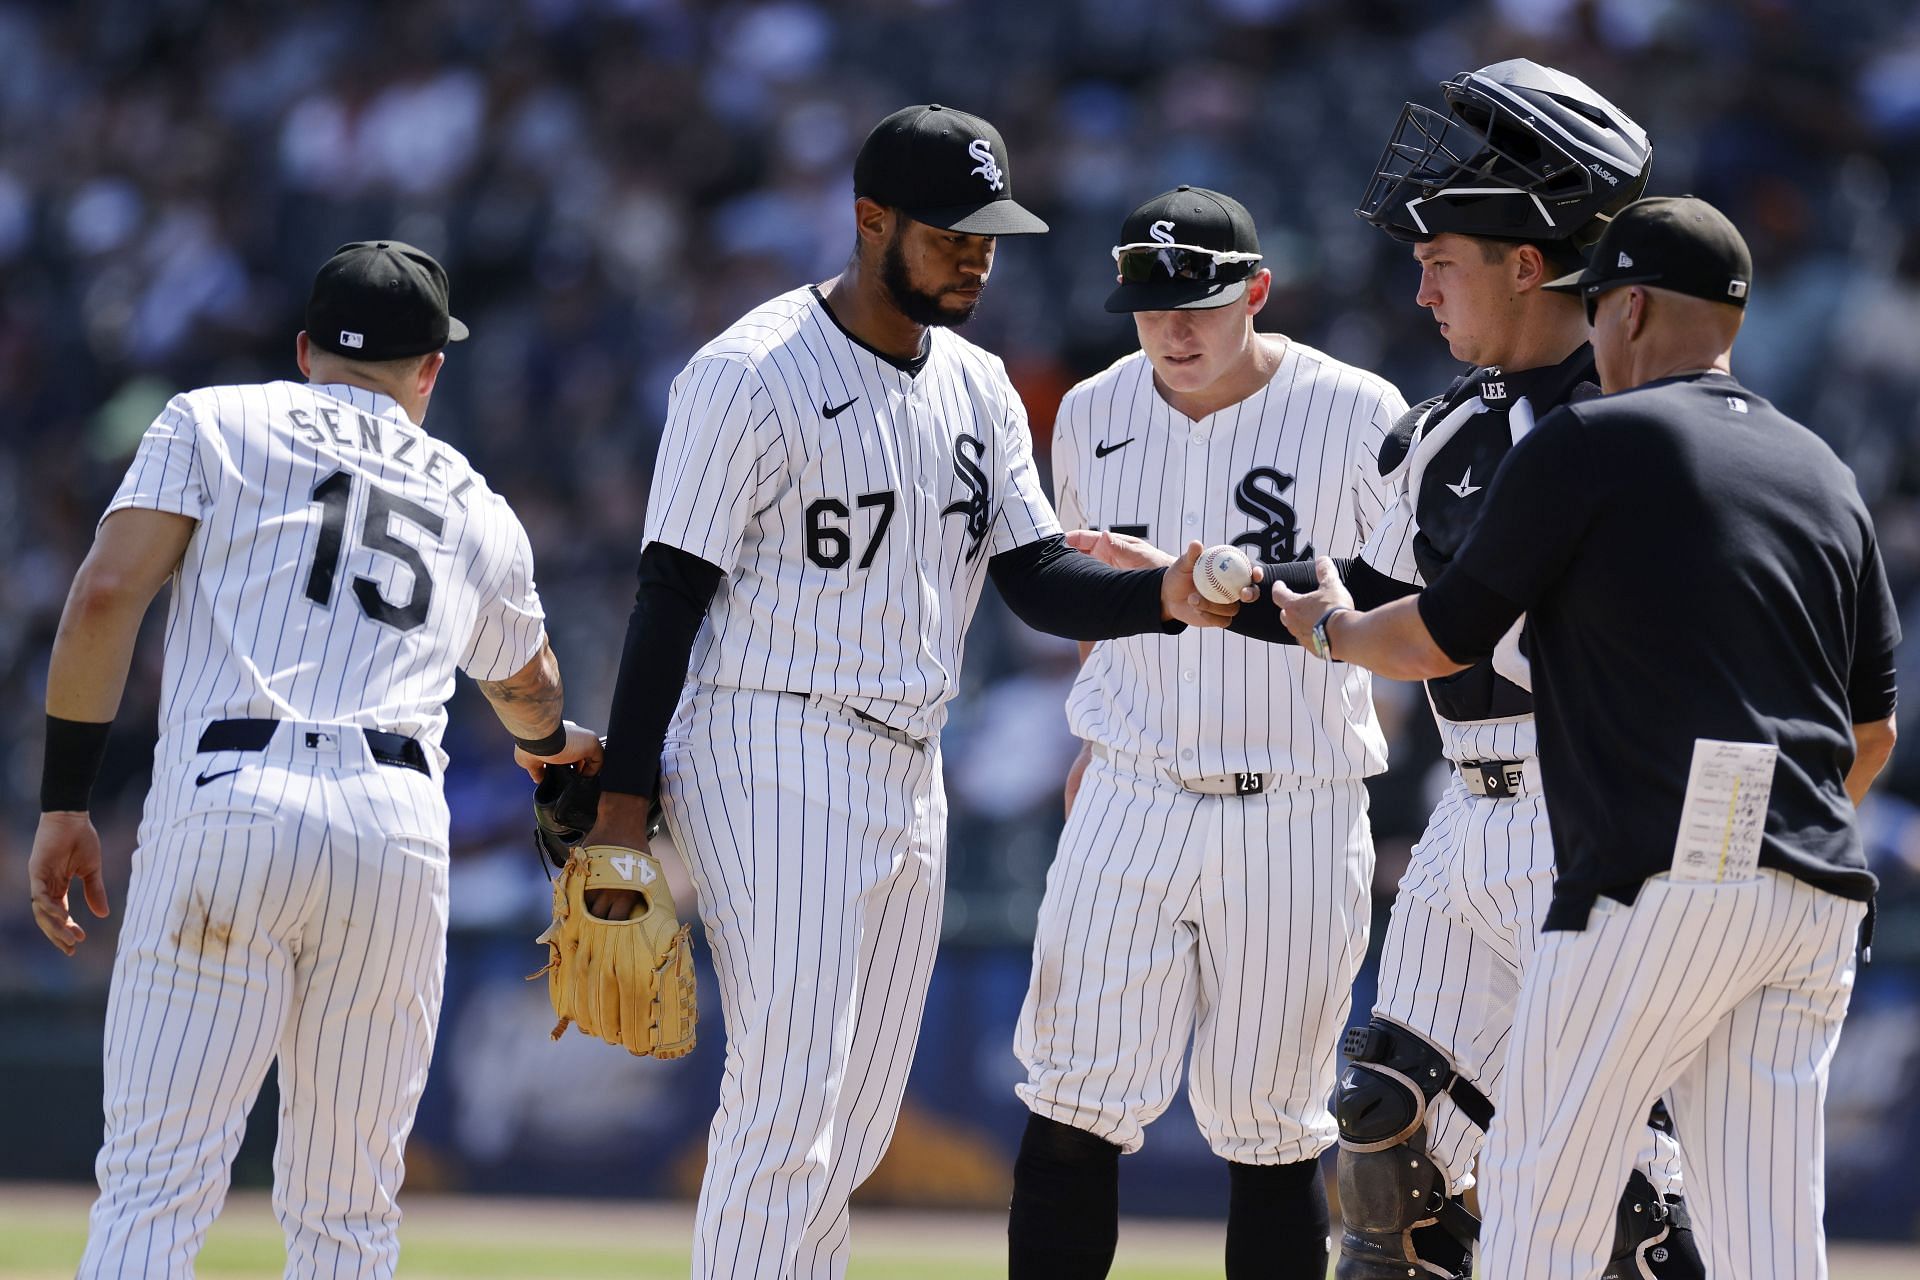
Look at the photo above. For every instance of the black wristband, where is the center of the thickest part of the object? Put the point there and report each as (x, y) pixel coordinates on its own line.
(75, 749)
(547, 746)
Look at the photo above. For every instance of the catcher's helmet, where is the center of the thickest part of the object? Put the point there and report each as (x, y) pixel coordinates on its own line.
(1523, 152)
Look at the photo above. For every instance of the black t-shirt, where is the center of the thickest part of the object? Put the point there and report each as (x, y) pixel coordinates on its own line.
(1693, 564)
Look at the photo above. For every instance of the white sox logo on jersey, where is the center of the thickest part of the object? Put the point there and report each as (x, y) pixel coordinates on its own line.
(1259, 495)
(974, 505)
(989, 168)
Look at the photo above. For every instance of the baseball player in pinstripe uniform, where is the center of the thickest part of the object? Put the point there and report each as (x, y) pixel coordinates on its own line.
(1498, 194)
(1711, 892)
(332, 565)
(839, 474)
(1211, 884)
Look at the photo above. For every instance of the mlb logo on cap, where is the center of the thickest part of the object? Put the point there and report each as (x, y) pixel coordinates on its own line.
(1736, 288)
(348, 338)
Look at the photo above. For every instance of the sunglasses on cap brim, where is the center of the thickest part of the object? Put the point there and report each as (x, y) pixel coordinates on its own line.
(1141, 263)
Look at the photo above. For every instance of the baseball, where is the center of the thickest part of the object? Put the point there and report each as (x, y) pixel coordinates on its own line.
(1221, 574)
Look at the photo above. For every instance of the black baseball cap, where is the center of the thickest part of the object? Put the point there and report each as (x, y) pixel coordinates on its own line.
(1170, 253)
(945, 168)
(1680, 243)
(381, 300)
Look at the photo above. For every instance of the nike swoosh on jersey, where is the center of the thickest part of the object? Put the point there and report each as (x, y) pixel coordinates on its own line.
(837, 409)
(1466, 488)
(205, 778)
(1102, 449)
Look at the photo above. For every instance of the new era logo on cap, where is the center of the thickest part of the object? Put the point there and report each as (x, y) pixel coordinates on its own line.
(1625, 261)
(348, 338)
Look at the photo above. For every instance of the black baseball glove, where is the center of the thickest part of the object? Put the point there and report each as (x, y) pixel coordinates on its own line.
(565, 804)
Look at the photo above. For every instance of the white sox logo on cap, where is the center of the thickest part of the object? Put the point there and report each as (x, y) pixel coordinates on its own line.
(1162, 232)
(989, 168)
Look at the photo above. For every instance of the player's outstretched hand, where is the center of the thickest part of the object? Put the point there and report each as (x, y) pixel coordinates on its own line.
(1300, 612)
(583, 748)
(1119, 550)
(1181, 601)
(65, 846)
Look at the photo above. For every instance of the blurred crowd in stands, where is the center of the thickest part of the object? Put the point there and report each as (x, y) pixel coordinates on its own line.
(610, 182)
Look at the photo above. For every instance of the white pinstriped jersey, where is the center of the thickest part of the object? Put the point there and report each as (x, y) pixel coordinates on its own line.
(1390, 550)
(345, 563)
(1286, 474)
(852, 505)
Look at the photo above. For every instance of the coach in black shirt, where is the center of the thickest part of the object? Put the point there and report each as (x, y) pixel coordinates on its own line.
(1694, 565)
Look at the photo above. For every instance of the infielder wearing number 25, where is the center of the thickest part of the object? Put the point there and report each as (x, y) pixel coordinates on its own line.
(332, 565)
(1211, 884)
(838, 475)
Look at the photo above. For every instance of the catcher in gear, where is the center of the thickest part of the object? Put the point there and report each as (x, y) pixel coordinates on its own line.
(619, 962)
(1507, 186)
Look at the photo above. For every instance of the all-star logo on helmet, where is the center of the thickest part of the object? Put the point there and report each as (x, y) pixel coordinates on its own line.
(1522, 152)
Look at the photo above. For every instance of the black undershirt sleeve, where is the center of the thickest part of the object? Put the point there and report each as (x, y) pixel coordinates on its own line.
(1465, 617)
(1261, 619)
(1055, 589)
(676, 587)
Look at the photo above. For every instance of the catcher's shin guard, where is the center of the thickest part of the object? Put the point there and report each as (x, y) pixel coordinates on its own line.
(1396, 1217)
(1653, 1238)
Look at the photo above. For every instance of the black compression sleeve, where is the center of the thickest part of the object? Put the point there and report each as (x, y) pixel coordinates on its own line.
(1873, 688)
(1053, 588)
(1465, 617)
(1261, 619)
(676, 588)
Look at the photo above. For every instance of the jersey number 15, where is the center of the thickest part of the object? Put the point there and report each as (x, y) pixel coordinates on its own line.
(335, 496)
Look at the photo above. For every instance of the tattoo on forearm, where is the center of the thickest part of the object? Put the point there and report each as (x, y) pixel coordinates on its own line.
(529, 702)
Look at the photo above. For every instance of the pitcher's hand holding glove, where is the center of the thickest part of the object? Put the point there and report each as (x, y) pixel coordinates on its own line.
(630, 982)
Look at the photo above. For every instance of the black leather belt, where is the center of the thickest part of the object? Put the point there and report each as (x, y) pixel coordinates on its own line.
(253, 735)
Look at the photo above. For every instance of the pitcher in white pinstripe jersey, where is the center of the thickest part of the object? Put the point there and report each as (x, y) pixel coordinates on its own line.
(839, 475)
(332, 565)
(1211, 885)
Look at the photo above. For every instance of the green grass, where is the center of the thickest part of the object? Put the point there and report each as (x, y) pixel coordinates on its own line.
(42, 1237)
(43, 1230)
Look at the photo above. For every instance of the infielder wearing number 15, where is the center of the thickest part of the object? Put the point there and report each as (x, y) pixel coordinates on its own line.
(332, 565)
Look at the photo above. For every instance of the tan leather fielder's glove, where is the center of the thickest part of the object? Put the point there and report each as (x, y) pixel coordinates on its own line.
(629, 982)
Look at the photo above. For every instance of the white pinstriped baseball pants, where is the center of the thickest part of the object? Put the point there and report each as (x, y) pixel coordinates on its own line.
(1236, 923)
(1462, 932)
(1727, 998)
(818, 844)
(297, 909)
